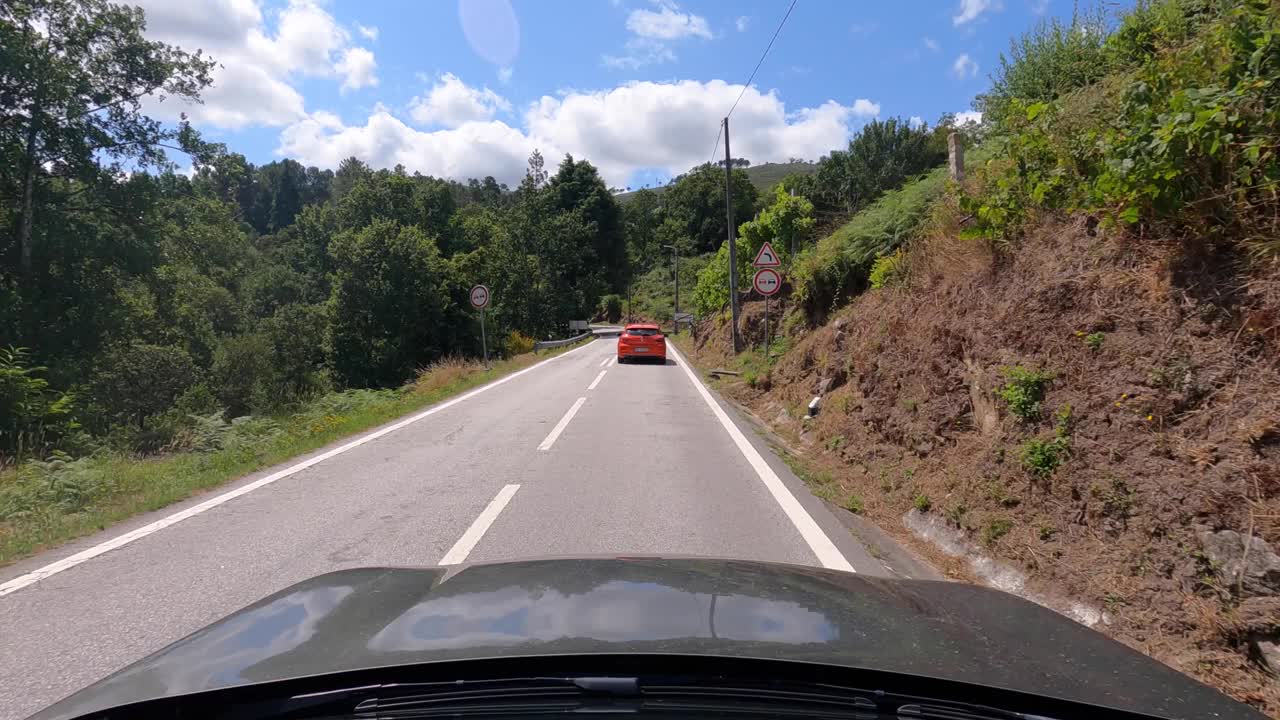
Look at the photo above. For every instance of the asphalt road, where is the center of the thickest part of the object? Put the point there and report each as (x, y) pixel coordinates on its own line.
(575, 456)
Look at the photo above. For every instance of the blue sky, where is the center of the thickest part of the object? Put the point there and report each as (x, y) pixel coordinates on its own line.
(469, 87)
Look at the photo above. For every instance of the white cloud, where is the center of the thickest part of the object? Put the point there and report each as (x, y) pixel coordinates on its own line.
(257, 64)
(504, 74)
(931, 44)
(971, 9)
(652, 33)
(968, 116)
(864, 28)
(916, 121)
(451, 102)
(668, 23)
(620, 130)
(742, 23)
(368, 32)
(964, 67)
(1039, 7)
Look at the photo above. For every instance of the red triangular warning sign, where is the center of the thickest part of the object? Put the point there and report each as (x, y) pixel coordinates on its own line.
(766, 257)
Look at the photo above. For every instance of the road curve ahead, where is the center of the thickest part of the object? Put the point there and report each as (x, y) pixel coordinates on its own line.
(577, 455)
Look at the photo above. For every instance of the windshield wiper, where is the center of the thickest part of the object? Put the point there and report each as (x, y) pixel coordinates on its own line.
(545, 695)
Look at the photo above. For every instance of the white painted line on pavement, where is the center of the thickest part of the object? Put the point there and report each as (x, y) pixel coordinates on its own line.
(121, 540)
(828, 554)
(471, 537)
(596, 382)
(560, 426)
(605, 361)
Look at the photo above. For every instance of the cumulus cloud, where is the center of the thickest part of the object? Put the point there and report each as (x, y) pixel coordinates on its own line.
(916, 121)
(970, 10)
(368, 32)
(667, 23)
(357, 68)
(257, 64)
(668, 126)
(931, 44)
(451, 102)
(654, 31)
(964, 67)
(1039, 7)
(968, 116)
(742, 23)
(504, 74)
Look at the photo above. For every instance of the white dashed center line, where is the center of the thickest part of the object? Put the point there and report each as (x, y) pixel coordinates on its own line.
(596, 382)
(560, 426)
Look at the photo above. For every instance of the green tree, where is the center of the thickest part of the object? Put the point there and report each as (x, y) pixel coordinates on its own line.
(33, 417)
(787, 224)
(134, 381)
(243, 376)
(390, 296)
(78, 71)
(695, 202)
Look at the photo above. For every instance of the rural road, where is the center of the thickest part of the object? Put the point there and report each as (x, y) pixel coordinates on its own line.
(574, 456)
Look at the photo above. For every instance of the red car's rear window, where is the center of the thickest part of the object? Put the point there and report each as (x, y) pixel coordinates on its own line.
(642, 331)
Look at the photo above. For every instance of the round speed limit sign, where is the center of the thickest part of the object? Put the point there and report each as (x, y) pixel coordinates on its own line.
(480, 297)
(767, 281)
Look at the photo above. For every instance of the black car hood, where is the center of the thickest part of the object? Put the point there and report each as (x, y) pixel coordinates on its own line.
(356, 619)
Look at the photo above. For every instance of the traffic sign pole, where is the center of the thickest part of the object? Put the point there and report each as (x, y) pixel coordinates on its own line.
(484, 343)
(480, 300)
(766, 328)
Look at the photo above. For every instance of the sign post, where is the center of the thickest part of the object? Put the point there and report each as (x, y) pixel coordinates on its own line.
(766, 282)
(480, 301)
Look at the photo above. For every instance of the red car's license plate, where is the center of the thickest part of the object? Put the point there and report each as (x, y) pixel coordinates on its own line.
(640, 349)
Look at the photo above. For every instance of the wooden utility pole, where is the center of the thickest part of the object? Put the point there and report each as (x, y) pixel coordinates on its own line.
(733, 252)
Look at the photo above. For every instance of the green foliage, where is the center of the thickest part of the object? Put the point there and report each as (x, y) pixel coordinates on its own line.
(244, 375)
(922, 502)
(518, 343)
(1023, 391)
(854, 504)
(135, 381)
(610, 307)
(887, 270)
(33, 417)
(389, 295)
(711, 294)
(653, 293)
(1051, 60)
(881, 156)
(786, 223)
(1183, 130)
(1042, 457)
(838, 267)
(1095, 340)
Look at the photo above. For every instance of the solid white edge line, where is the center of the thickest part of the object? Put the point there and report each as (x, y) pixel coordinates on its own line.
(826, 551)
(560, 426)
(479, 527)
(596, 382)
(121, 540)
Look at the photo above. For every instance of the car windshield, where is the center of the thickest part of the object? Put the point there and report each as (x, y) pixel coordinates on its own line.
(970, 290)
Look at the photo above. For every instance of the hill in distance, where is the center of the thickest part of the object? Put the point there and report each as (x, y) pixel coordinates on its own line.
(763, 176)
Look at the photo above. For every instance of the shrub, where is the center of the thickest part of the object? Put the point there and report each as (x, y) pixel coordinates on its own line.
(1024, 391)
(1042, 457)
(922, 502)
(242, 374)
(1094, 341)
(996, 529)
(137, 380)
(33, 417)
(854, 504)
(610, 308)
(838, 267)
(518, 343)
(887, 270)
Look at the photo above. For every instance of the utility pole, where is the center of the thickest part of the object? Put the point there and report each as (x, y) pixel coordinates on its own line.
(733, 253)
(675, 270)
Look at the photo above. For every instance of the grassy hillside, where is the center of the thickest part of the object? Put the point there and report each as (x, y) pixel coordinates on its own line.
(1073, 360)
(764, 177)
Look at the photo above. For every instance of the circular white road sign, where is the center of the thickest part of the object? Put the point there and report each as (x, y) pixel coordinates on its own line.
(767, 281)
(480, 297)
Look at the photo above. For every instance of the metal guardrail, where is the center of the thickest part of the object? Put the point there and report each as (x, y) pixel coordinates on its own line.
(548, 344)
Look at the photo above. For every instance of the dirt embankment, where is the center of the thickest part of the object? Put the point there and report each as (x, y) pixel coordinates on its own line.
(1148, 377)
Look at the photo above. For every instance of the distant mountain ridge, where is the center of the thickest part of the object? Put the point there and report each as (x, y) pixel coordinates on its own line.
(763, 176)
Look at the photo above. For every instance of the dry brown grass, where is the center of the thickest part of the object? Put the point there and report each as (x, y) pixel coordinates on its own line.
(1175, 417)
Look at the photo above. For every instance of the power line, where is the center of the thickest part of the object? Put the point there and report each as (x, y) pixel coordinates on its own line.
(762, 57)
(716, 145)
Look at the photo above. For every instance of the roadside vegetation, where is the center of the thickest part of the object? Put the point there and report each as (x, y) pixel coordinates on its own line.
(1072, 357)
(47, 501)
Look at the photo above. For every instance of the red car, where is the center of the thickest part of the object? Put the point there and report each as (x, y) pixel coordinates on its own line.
(639, 340)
